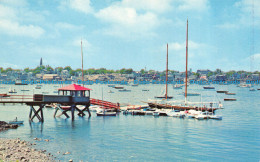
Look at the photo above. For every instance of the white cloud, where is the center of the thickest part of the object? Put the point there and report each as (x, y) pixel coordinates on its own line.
(192, 5)
(15, 19)
(67, 26)
(249, 15)
(85, 43)
(7, 12)
(14, 28)
(150, 5)
(7, 65)
(18, 3)
(81, 5)
(228, 26)
(181, 46)
(249, 7)
(126, 21)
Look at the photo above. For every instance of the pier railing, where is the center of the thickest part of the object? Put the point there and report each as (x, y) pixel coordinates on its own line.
(105, 104)
(16, 98)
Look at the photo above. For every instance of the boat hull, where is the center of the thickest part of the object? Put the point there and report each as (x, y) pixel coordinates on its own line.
(181, 108)
(106, 114)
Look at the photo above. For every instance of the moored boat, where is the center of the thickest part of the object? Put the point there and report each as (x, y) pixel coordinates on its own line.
(38, 87)
(110, 91)
(12, 90)
(104, 112)
(222, 91)
(217, 117)
(119, 87)
(4, 95)
(228, 93)
(192, 94)
(145, 90)
(209, 87)
(177, 86)
(124, 90)
(15, 121)
(230, 99)
(164, 96)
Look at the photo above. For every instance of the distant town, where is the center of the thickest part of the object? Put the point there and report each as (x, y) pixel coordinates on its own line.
(43, 72)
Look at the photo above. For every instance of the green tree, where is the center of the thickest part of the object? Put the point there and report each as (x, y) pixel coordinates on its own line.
(68, 68)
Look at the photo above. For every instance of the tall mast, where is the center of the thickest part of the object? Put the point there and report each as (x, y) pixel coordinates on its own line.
(82, 64)
(167, 73)
(186, 80)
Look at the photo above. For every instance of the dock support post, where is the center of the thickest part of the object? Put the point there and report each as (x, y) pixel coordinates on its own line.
(55, 112)
(36, 113)
(30, 115)
(72, 112)
(89, 114)
(41, 107)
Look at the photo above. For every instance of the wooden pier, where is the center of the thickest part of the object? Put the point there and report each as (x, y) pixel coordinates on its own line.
(70, 96)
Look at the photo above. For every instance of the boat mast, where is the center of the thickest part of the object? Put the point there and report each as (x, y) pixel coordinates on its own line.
(82, 64)
(166, 73)
(186, 80)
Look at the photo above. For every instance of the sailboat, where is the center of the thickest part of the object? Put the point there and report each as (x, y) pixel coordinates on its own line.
(11, 90)
(166, 85)
(188, 105)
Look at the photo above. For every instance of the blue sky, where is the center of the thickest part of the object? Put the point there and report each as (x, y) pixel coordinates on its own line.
(130, 33)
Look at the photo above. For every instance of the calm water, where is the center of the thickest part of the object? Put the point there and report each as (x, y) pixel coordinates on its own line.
(146, 138)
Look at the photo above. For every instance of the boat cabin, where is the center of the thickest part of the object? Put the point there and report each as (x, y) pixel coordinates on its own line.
(77, 92)
(70, 94)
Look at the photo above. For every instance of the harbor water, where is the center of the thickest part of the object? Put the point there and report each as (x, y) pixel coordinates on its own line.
(145, 138)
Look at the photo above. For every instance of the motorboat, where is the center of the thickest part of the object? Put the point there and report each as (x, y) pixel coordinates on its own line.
(50, 105)
(95, 108)
(175, 113)
(177, 86)
(119, 87)
(217, 117)
(124, 90)
(110, 91)
(202, 115)
(25, 90)
(209, 87)
(192, 113)
(38, 87)
(230, 99)
(164, 96)
(145, 89)
(156, 113)
(104, 112)
(192, 94)
(252, 89)
(222, 91)
(15, 121)
(228, 93)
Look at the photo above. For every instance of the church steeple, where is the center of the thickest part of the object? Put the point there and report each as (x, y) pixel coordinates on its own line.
(41, 62)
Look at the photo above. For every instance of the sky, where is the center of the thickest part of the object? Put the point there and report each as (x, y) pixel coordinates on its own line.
(117, 34)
